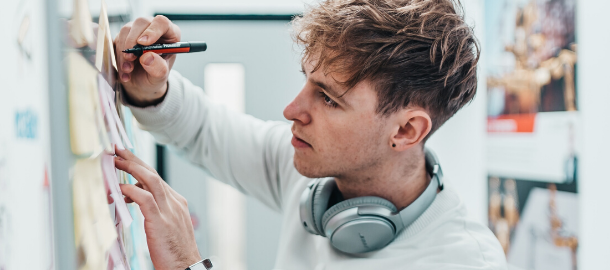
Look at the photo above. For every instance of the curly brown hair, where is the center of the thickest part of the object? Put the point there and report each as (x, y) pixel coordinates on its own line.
(416, 52)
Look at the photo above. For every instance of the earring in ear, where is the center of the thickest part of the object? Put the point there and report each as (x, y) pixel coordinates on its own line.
(393, 145)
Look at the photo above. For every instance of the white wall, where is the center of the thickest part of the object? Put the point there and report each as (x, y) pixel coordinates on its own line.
(593, 71)
(228, 6)
(460, 142)
(113, 7)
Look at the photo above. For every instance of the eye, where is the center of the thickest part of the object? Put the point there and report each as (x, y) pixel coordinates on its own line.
(327, 100)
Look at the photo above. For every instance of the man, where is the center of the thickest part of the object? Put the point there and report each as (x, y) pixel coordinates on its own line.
(381, 77)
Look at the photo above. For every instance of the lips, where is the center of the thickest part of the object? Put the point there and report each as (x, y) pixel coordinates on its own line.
(298, 142)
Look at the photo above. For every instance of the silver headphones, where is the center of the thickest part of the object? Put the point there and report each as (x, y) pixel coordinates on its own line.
(362, 224)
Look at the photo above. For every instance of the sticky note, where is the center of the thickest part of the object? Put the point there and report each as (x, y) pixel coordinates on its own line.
(118, 121)
(99, 121)
(117, 256)
(88, 135)
(112, 115)
(94, 230)
(84, 136)
(104, 56)
(105, 92)
(115, 190)
(81, 29)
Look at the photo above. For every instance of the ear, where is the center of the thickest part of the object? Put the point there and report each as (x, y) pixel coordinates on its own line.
(412, 126)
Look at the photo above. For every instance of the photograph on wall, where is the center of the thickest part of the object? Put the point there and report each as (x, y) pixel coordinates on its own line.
(535, 222)
(533, 120)
(533, 131)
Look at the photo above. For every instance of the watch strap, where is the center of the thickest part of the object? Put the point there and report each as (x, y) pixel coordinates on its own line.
(201, 265)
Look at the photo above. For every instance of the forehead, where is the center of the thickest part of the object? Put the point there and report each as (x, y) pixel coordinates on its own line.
(331, 81)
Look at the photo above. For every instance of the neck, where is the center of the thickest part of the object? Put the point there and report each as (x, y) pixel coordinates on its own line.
(400, 180)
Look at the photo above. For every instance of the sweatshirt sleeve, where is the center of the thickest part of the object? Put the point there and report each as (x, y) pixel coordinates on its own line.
(247, 153)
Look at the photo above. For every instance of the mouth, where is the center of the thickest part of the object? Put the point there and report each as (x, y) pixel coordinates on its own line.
(299, 143)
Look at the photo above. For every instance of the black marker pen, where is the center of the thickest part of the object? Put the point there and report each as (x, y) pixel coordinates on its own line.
(180, 47)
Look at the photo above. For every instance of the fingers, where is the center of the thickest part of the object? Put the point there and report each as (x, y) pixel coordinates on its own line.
(126, 40)
(175, 195)
(126, 154)
(156, 67)
(138, 27)
(122, 61)
(145, 81)
(129, 200)
(151, 181)
(161, 28)
(143, 198)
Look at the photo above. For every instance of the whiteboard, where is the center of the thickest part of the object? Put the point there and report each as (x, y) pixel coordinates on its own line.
(25, 201)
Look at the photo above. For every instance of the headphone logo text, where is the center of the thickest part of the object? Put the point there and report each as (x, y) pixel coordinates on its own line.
(363, 240)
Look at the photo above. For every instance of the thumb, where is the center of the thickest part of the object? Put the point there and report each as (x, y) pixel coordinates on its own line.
(155, 66)
(143, 198)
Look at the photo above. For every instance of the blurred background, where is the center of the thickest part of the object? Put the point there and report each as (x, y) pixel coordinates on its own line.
(528, 155)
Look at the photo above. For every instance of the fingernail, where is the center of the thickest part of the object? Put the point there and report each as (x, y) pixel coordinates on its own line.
(126, 65)
(143, 39)
(128, 55)
(148, 59)
(125, 77)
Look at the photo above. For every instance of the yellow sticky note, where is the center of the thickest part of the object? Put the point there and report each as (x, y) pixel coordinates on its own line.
(86, 121)
(94, 229)
(81, 29)
(82, 78)
(104, 56)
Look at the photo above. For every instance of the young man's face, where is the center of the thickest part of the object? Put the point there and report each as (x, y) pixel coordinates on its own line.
(335, 136)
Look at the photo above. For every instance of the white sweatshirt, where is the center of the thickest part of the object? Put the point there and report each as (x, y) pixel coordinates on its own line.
(256, 157)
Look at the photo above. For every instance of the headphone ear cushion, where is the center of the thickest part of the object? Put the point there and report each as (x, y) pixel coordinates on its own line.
(351, 203)
(320, 199)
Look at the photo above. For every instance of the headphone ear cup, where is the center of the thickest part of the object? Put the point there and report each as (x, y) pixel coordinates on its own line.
(355, 202)
(352, 233)
(320, 199)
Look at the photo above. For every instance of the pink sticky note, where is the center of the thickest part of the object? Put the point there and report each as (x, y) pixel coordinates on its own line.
(121, 242)
(104, 90)
(117, 257)
(115, 190)
(119, 124)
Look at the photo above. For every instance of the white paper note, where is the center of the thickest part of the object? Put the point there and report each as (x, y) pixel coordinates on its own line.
(105, 92)
(115, 190)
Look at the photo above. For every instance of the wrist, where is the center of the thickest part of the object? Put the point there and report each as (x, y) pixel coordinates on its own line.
(191, 259)
(151, 98)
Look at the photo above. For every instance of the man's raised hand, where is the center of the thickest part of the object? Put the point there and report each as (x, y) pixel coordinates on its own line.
(167, 222)
(145, 79)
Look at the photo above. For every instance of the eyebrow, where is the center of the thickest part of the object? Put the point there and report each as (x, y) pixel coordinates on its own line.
(326, 88)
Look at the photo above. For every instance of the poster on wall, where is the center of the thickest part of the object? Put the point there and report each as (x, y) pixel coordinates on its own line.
(533, 130)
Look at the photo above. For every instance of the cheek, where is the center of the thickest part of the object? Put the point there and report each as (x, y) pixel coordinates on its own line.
(350, 138)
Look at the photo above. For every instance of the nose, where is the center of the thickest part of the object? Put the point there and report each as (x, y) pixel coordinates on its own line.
(298, 109)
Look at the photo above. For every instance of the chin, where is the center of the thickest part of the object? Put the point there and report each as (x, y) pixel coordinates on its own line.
(309, 169)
